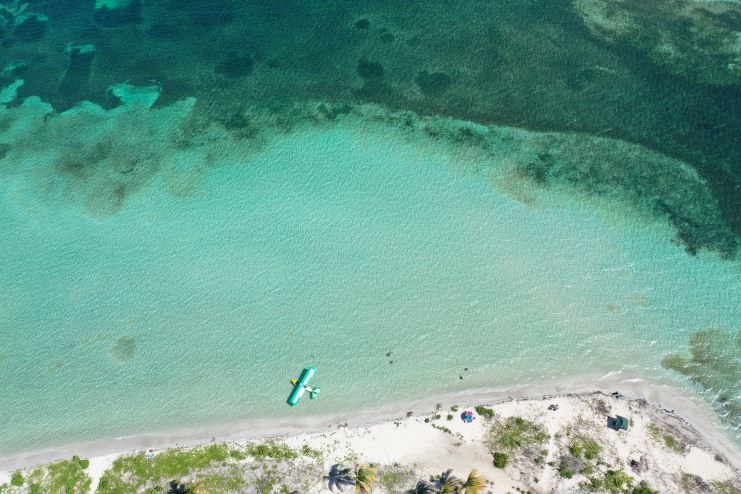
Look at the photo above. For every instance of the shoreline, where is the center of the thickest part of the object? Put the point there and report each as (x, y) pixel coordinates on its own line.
(680, 403)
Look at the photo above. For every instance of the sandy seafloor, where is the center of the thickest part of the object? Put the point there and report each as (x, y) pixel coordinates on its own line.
(332, 246)
(170, 261)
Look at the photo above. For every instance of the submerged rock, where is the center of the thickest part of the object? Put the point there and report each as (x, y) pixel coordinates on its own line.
(432, 84)
(369, 70)
(699, 40)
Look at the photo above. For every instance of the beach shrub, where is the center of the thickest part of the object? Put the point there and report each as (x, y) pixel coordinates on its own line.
(725, 487)
(616, 481)
(17, 479)
(307, 450)
(66, 476)
(569, 466)
(275, 451)
(129, 473)
(500, 459)
(449, 417)
(485, 412)
(643, 488)
(670, 442)
(515, 434)
(231, 480)
(565, 472)
(584, 447)
(393, 478)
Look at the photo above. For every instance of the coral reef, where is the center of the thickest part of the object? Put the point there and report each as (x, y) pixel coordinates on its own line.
(18, 24)
(699, 40)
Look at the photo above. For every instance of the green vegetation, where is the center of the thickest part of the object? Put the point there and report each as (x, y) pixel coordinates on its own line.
(229, 480)
(366, 476)
(447, 483)
(307, 450)
(725, 487)
(66, 476)
(584, 447)
(474, 483)
(669, 441)
(500, 459)
(211, 468)
(275, 451)
(394, 478)
(565, 472)
(443, 428)
(614, 482)
(617, 481)
(17, 479)
(485, 412)
(514, 434)
(130, 473)
(643, 488)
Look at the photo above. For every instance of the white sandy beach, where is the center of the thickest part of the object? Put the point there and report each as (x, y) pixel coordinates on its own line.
(402, 436)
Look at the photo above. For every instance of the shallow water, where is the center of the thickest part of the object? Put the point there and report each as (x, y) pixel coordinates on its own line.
(330, 247)
(178, 265)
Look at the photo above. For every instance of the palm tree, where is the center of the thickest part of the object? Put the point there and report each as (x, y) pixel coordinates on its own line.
(423, 487)
(474, 484)
(448, 483)
(339, 477)
(365, 478)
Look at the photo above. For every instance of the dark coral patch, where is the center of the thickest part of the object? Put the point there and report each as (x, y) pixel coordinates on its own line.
(369, 70)
(124, 349)
(236, 66)
(32, 28)
(432, 84)
(362, 24)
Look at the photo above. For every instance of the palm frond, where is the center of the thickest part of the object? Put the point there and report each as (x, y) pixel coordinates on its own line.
(474, 484)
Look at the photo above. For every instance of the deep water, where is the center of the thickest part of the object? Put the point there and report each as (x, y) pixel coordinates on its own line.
(199, 198)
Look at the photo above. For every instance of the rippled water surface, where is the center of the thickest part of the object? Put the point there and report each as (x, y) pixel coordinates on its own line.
(197, 200)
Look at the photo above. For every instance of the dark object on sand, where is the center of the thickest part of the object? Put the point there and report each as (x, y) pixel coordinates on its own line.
(553, 407)
(616, 394)
(639, 466)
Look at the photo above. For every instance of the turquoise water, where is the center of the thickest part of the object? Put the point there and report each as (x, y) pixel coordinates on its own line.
(330, 245)
(199, 198)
